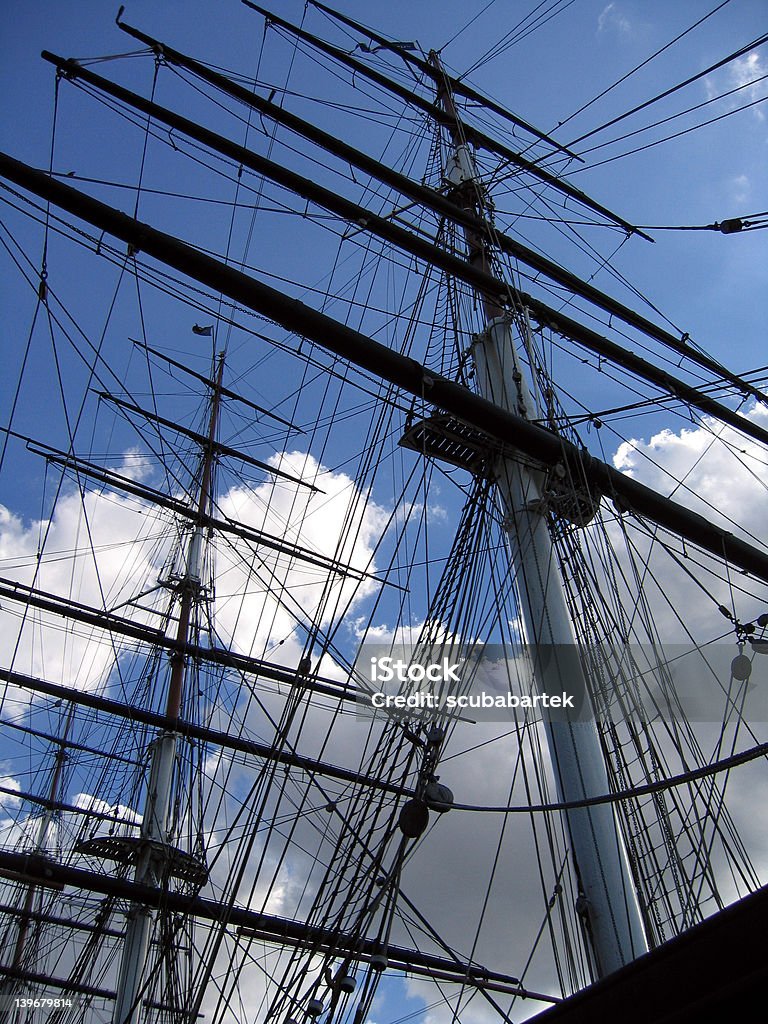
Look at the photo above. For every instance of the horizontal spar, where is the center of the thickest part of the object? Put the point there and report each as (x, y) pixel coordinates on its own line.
(179, 508)
(382, 227)
(444, 207)
(60, 984)
(242, 745)
(76, 611)
(227, 392)
(201, 439)
(402, 371)
(266, 926)
(64, 922)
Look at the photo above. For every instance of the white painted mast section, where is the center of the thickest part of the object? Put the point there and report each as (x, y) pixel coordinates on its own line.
(154, 831)
(609, 906)
(158, 843)
(607, 903)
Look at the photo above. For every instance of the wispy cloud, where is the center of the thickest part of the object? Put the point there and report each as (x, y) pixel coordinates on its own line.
(747, 68)
(611, 18)
(740, 189)
(743, 74)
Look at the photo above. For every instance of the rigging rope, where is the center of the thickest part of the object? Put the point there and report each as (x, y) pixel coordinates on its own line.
(724, 765)
(759, 41)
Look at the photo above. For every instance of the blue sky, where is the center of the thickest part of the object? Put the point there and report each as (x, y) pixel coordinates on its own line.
(709, 285)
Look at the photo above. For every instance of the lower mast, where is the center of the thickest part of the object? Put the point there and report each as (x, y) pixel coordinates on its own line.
(607, 904)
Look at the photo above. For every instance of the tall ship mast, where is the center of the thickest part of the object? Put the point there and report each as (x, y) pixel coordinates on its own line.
(359, 662)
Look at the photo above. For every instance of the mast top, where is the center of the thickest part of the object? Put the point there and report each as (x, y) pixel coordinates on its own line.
(473, 135)
(457, 86)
